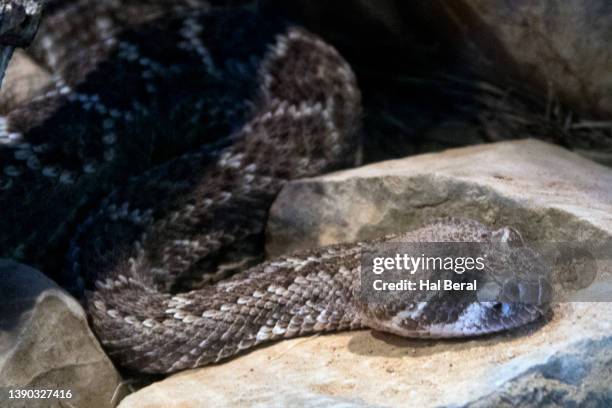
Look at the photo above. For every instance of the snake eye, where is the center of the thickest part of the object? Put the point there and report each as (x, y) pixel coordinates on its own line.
(497, 307)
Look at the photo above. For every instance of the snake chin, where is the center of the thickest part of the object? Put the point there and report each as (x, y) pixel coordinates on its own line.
(475, 319)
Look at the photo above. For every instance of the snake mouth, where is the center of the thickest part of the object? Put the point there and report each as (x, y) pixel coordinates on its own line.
(475, 319)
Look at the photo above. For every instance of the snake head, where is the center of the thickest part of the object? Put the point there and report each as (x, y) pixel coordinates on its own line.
(512, 290)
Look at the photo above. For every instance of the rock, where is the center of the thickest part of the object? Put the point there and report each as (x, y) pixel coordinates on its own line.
(563, 46)
(579, 377)
(542, 189)
(24, 79)
(45, 343)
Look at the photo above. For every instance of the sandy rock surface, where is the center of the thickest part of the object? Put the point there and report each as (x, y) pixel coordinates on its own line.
(543, 190)
(45, 343)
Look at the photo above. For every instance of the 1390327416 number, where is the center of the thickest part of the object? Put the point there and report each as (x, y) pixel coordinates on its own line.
(39, 394)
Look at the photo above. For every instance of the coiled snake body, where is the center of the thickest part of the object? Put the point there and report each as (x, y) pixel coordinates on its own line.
(215, 110)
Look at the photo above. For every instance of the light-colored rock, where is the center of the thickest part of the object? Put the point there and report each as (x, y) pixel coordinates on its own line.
(24, 79)
(579, 377)
(45, 343)
(546, 190)
(564, 46)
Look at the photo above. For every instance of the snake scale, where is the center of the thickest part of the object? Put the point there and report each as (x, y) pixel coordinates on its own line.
(152, 160)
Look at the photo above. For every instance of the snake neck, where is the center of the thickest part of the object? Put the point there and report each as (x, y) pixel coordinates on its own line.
(289, 297)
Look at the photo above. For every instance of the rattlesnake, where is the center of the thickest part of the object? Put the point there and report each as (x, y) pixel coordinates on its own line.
(191, 119)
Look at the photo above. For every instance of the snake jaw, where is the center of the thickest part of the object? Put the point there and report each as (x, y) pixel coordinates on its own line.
(482, 318)
(475, 319)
